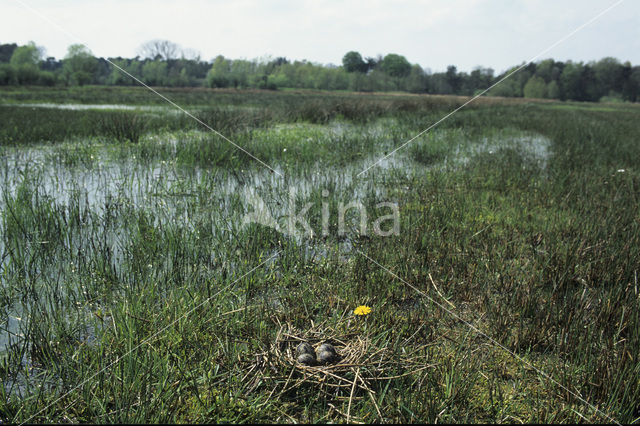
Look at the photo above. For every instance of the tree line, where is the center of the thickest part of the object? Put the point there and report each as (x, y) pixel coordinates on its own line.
(163, 63)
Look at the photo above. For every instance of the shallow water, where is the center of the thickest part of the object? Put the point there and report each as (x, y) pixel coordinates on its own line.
(175, 193)
(536, 146)
(172, 192)
(82, 107)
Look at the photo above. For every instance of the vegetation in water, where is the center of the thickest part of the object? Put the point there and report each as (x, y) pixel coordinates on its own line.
(132, 291)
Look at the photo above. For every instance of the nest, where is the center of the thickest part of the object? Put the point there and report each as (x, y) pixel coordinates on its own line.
(351, 376)
(351, 349)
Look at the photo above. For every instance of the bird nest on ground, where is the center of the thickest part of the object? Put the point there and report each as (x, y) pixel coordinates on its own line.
(351, 375)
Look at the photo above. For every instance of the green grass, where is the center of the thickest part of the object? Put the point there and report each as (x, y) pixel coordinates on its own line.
(131, 291)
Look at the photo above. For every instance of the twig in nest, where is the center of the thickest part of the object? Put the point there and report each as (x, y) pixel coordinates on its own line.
(353, 388)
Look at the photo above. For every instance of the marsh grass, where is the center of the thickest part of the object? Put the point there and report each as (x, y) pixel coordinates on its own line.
(133, 278)
(121, 126)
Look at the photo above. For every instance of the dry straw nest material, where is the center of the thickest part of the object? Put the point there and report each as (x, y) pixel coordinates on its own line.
(353, 375)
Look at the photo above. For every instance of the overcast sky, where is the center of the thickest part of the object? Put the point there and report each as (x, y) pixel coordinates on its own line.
(432, 33)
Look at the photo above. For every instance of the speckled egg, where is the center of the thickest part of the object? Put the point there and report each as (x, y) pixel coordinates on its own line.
(326, 357)
(305, 348)
(327, 347)
(306, 359)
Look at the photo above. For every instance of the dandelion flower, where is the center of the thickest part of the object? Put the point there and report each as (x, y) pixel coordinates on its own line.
(362, 310)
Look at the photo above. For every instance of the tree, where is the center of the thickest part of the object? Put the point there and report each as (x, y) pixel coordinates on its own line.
(79, 66)
(553, 90)
(634, 82)
(535, 88)
(29, 54)
(6, 50)
(51, 64)
(549, 70)
(240, 70)
(416, 81)
(353, 62)
(439, 84)
(220, 72)
(190, 54)
(453, 79)
(479, 79)
(571, 82)
(589, 84)
(383, 82)
(25, 62)
(117, 77)
(608, 75)
(395, 65)
(372, 63)
(159, 49)
(7, 75)
(154, 73)
(509, 87)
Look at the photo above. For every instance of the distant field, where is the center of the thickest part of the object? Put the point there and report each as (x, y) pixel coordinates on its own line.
(135, 95)
(132, 288)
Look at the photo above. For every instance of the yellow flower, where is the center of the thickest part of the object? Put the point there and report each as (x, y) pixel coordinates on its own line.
(362, 310)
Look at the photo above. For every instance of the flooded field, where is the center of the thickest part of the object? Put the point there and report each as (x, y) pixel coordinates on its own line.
(163, 260)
